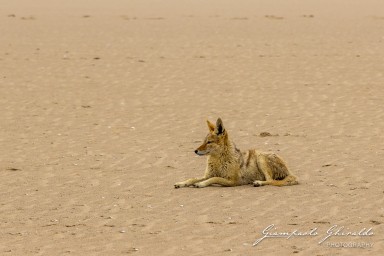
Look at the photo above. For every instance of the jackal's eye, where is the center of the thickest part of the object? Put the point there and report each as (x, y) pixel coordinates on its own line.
(209, 142)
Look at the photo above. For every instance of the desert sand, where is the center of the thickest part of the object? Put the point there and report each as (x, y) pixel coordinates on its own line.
(103, 103)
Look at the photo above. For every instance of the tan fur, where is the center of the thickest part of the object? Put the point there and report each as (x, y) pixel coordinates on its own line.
(228, 166)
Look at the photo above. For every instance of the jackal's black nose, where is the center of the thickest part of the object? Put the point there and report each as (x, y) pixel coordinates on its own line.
(196, 151)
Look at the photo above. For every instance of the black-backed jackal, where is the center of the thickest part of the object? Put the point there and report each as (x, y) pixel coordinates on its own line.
(228, 166)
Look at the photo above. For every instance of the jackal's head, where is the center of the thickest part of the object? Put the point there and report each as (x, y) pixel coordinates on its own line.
(216, 140)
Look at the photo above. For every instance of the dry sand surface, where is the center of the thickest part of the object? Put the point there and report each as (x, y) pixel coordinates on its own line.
(103, 102)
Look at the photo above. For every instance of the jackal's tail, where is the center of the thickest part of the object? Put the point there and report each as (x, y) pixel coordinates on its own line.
(290, 180)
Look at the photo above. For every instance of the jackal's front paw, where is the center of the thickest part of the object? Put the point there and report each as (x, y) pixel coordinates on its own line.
(257, 183)
(179, 185)
(199, 185)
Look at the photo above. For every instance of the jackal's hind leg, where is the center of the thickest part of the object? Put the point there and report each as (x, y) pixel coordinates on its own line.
(275, 172)
(287, 181)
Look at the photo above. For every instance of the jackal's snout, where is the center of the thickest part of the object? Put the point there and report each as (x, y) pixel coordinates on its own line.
(201, 151)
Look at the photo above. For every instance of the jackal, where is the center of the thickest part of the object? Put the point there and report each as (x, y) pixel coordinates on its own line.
(228, 166)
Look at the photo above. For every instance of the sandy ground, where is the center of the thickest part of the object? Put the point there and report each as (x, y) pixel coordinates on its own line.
(103, 102)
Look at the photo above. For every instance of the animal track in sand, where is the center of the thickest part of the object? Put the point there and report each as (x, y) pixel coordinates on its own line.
(28, 18)
(239, 18)
(273, 17)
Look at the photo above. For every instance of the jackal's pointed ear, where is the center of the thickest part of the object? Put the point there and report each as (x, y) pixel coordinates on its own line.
(211, 126)
(219, 127)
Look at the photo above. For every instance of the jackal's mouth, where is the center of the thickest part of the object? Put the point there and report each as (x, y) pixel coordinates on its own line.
(200, 153)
